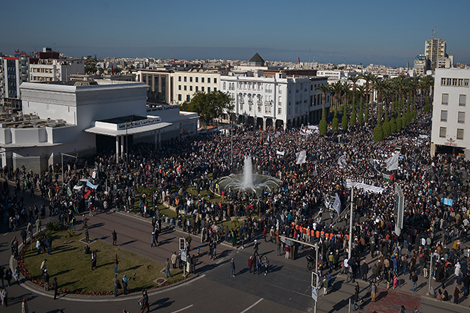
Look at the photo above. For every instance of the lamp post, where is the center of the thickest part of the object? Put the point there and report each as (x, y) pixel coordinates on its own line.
(62, 159)
(350, 222)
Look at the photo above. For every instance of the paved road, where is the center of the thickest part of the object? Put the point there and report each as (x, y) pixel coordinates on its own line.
(285, 289)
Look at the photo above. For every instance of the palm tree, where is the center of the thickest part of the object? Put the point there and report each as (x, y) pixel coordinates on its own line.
(354, 80)
(324, 90)
(337, 89)
(380, 85)
(369, 78)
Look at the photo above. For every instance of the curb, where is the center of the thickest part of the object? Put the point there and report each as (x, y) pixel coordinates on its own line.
(28, 285)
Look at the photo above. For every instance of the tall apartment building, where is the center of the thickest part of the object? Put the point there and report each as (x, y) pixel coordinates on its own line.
(15, 72)
(450, 130)
(160, 84)
(435, 52)
(187, 83)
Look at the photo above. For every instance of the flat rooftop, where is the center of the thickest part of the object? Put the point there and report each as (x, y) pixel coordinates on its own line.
(124, 119)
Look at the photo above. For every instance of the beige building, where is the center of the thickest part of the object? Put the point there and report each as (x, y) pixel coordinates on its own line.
(161, 85)
(189, 82)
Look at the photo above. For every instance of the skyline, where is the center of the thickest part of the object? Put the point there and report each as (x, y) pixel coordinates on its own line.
(389, 33)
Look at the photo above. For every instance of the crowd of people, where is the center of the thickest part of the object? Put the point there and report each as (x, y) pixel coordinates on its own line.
(184, 175)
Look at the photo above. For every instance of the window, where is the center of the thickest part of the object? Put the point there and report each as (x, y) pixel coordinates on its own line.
(442, 132)
(215, 89)
(185, 78)
(443, 115)
(461, 117)
(188, 97)
(190, 88)
(445, 98)
(197, 88)
(279, 111)
(179, 78)
(179, 87)
(202, 89)
(209, 80)
(202, 79)
(196, 79)
(184, 87)
(454, 82)
(223, 86)
(459, 133)
(462, 100)
(191, 79)
(179, 97)
(215, 80)
(208, 89)
(465, 82)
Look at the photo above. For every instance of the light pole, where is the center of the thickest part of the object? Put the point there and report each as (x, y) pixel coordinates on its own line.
(231, 142)
(62, 159)
(351, 221)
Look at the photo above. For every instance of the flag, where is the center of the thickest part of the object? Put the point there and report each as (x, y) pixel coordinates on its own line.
(112, 69)
(301, 157)
(69, 192)
(387, 177)
(342, 161)
(392, 162)
(298, 59)
(337, 204)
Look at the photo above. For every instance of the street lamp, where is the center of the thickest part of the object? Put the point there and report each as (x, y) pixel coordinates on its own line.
(62, 159)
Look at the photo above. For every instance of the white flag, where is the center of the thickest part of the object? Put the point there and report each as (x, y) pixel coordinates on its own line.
(342, 161)
(392, 162)
(301, 157)
(337, 204)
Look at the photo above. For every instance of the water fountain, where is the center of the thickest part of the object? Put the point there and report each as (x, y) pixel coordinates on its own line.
(248, 181)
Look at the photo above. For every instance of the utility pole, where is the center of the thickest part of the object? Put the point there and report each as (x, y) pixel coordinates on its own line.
(351, 222)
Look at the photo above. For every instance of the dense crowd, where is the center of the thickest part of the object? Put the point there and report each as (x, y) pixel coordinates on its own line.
(179, 172)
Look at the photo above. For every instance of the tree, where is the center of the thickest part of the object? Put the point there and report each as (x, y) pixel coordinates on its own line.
(90, 64)
(209, 105)
(334, 123)
(344, 121)
(393, 126)
(323, 125)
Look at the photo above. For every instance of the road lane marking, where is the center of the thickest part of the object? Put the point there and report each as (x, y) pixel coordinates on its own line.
(182, 309)
(251, 306)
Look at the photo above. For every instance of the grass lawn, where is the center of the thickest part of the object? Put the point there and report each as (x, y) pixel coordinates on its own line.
(73, 268)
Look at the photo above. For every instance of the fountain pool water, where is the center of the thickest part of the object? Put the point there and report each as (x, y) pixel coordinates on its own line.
(249, 181)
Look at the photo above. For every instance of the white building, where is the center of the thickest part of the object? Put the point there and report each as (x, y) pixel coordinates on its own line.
(277, 101)
(451, 115)
(187, 83)
(53, 70)
(81, 118)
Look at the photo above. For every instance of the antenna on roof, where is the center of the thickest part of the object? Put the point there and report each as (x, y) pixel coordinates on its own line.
(432, 34)
(436, 31)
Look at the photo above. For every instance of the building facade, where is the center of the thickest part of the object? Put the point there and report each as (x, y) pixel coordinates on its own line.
(84, 117)
(187, 83)
(451, 114)
(278, 101)
(53, 70)
(15, 72)
(161, 85)
(435, 52)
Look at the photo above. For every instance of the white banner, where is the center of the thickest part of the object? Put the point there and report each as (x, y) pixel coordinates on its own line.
(280, 152)
(392, 162)
(366, 187)
(301, 157)
(342, 161)
(337, 204)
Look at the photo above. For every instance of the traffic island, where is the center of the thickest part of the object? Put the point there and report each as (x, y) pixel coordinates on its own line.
(72, 266)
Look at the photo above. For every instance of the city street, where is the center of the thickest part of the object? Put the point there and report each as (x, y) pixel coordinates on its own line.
(286, 288)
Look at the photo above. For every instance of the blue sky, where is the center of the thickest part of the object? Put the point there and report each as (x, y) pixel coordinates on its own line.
(338, 31)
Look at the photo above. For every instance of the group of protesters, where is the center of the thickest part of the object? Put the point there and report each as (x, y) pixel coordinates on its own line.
(181, 171)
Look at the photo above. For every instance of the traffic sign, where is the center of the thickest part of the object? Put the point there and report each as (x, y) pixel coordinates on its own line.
(183, 255)
(315, 293)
